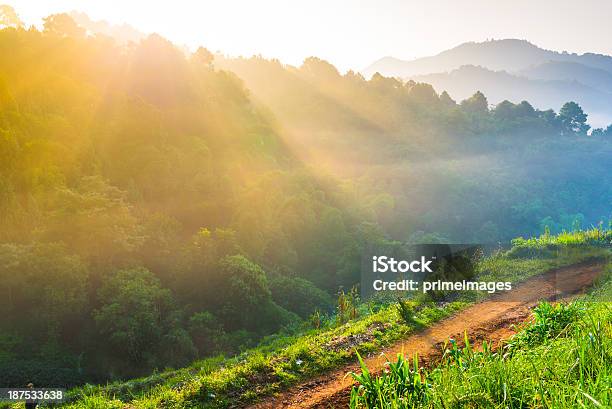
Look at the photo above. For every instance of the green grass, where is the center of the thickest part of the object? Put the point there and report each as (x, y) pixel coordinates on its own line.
(262, 370)
(284, 360)
(561, 359)
(547, 244)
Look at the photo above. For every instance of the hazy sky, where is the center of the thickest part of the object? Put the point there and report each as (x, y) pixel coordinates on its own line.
(350, 34)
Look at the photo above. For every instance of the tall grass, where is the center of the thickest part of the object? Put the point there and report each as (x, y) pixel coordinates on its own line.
(561, 359)
(329, 342)
(547, 244)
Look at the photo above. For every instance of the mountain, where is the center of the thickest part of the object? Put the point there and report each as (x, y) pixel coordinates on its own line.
(508, 54)
(571, 71)
(515, 70)
(500, 85)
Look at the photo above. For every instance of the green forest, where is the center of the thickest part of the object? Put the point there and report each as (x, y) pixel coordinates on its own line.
(159, 207)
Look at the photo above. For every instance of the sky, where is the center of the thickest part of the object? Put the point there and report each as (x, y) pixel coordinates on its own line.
(349, 34)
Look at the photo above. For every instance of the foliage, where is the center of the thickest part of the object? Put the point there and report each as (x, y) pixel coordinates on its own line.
(130, 159)
(552, 371)
(406, 309)
(549, 322)
(153, 203)
(550, 244)
(400, 381)
(43, 289)
(138, 316)
(573, 118)
(298, 295)
(287, 358)
(9, 17)
(347, 305)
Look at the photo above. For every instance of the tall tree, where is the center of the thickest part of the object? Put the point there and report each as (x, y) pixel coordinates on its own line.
(573, 118)
(476, 104)
(135, 313)
(64, 25)
(9, 17)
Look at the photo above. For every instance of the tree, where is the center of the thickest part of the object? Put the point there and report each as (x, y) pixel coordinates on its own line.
(319, 68)
(63, 25)
(246, 286)
(446, 100)
(135, 310)
(298, 295)
(424, 95)
(550, 119)
(42, 288)
(9, 18)
(525, 110)
(93, 208)
(504, 111)
(476, 104)
(247, 299)
(203, 56)
(573, 119)
(597, 132)
(206, 333)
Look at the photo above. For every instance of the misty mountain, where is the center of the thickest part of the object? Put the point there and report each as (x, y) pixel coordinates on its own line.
(509, 55)
(515, 70)
(571, 71)
(500, 85)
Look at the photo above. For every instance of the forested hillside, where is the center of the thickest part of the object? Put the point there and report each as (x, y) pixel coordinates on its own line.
(141, 193)
(436, 168)
(155, 208)
(515, 70)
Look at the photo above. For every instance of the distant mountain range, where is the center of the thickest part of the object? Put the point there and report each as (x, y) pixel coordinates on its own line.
(514, 70)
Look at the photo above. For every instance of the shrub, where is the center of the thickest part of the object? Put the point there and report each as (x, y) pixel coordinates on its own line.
(399, 382)
(298, 295)
(406, 310)
(550, 320)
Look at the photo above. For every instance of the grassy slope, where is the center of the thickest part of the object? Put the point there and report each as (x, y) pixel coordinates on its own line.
(562, 359)
(286, 360)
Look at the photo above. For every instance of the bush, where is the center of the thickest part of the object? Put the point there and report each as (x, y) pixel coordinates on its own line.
(549, 322)
(406, 310)
(206, 333)
(299, 295)
(401, 382)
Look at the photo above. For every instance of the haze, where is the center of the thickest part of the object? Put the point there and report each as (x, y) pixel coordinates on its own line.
(350, 34)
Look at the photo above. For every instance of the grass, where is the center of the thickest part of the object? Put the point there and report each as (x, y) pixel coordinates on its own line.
(262, 370)
(548, 244)
(284, 360)
(561, 359)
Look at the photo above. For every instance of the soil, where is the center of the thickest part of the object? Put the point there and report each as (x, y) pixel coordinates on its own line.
(492, 320)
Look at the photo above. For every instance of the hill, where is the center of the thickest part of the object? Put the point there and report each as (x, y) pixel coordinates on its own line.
(514, 70)
(139, 189)
(158, 207)
(508, 55)
(545, 86)
(571, 71)
(329, 345)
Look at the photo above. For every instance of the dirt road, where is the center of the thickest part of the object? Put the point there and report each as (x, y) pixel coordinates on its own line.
(488, 320)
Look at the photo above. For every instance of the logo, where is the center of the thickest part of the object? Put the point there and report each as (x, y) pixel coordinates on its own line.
(384, 264)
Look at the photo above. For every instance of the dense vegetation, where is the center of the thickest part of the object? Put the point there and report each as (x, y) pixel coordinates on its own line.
(321, 344)
(561, 359)
(435, 168)
(156, 209)
(150, 212)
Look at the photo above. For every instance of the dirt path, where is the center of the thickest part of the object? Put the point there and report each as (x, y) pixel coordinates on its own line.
(488, 320)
